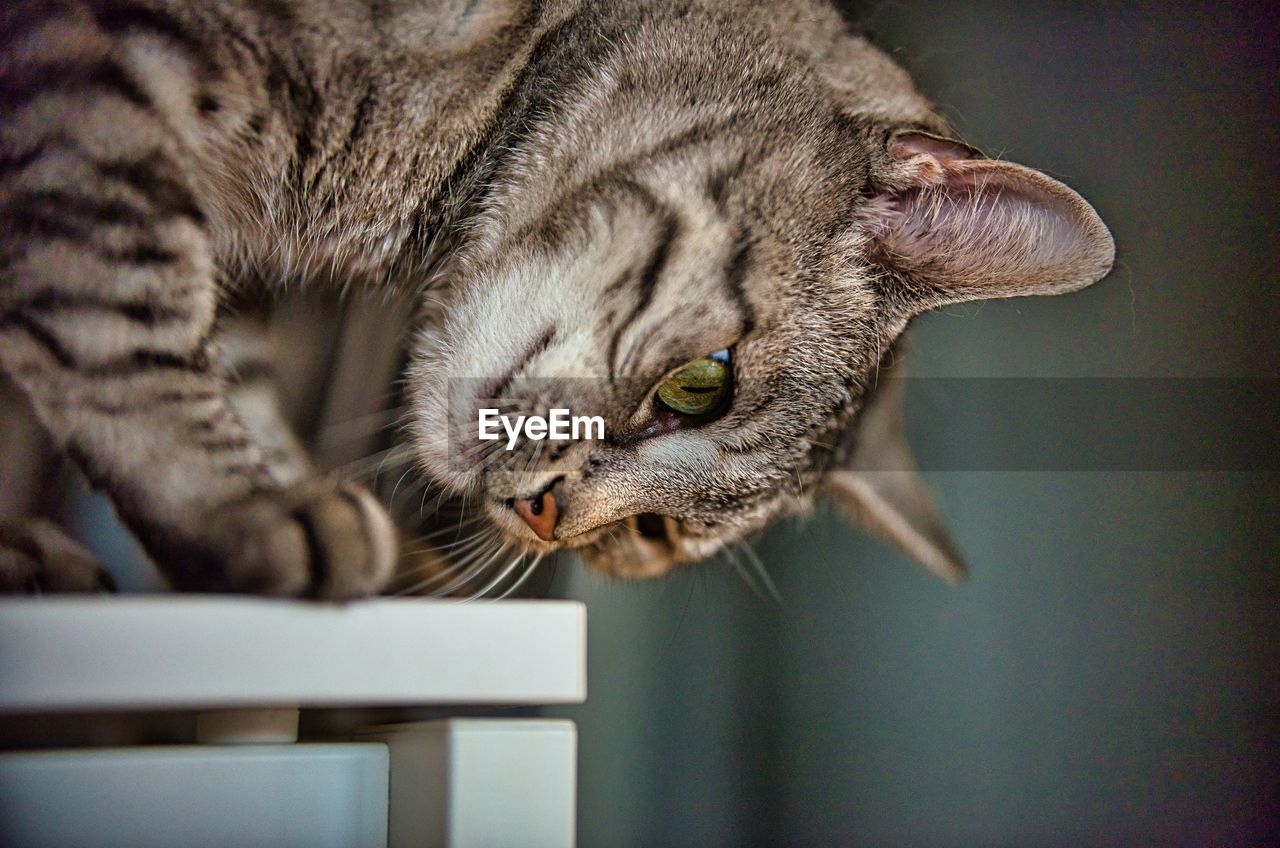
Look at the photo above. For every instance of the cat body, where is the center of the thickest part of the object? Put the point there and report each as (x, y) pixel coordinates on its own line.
(580, 198)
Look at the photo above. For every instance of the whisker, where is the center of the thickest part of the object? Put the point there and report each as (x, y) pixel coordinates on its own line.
(484, 531)
(763, 573)
(420, 484)
(396, 487)
(470, 547)
(488, 444)
(359, 467)
(447, 572)
(442, 496)
(741, 570)
(506, 572)
(358, 427)
(795, 468)
(465, 543)
(452, 528)
(474, 570)
(528, 572)
(462, 548)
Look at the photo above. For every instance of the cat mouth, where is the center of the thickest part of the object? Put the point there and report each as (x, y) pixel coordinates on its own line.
(650, 527)
(642, 545)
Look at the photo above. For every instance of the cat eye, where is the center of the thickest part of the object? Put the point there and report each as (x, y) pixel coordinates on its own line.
(701, 388)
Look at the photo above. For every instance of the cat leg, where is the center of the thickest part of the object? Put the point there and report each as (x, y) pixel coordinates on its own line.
(107, 303)
(245, 349)
(245, 343)
(144, 409)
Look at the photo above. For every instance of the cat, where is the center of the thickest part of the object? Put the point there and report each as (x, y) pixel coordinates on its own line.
(708, 222)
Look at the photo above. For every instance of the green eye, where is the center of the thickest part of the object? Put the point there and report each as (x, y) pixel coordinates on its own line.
(699, 388)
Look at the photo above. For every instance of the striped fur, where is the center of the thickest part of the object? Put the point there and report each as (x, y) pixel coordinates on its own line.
(584, 194)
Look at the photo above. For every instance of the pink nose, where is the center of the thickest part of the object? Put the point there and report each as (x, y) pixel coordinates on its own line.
(540, 513)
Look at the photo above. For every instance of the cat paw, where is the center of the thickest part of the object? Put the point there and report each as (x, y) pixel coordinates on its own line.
(39, 558)
(326, 540)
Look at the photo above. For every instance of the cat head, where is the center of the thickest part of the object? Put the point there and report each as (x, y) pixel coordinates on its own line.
(721, 277)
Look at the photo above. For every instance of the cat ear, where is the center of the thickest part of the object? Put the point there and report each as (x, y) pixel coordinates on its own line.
(879, 490)
(951, 226)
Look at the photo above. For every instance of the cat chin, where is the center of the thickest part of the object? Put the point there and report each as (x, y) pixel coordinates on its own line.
(627, 560)
(628, 550)
(618, 549)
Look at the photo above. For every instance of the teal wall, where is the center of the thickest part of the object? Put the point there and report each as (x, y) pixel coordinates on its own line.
(1108, 675)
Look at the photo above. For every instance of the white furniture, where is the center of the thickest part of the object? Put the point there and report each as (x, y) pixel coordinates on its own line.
(329, 795)
(481, 782)
(246, 665)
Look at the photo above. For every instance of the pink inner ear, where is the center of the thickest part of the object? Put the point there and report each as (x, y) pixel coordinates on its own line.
(979, 228)
(911, 144)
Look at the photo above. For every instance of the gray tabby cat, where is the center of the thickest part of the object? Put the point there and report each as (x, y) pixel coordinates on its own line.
(706, 221)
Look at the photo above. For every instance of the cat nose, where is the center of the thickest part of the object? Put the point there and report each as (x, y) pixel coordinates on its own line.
(540, 512)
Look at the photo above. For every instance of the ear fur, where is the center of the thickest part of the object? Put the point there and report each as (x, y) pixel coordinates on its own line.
(949, 226)
(878, 488)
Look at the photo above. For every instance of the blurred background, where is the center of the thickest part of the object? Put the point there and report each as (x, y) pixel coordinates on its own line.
(1108, 674)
